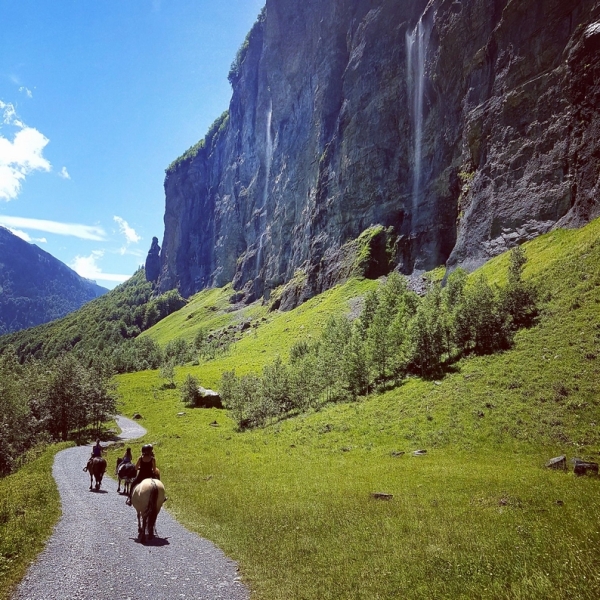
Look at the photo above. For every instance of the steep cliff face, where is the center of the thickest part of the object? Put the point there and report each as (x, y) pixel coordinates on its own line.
(465, 126)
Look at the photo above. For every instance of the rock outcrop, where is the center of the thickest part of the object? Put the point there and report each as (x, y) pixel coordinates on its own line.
(463, 126)
(152, 266)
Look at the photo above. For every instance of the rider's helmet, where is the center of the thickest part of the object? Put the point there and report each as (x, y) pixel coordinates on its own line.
(147, 449)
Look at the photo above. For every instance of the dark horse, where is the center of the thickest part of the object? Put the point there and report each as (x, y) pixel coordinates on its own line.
(126, 473)
(147, 499)
(96, 467)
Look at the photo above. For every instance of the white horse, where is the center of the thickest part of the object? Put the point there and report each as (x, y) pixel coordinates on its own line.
(147, 499)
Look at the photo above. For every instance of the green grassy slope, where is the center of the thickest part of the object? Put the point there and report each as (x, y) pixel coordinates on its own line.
(29, 509)
(273, 334)
(477, 517)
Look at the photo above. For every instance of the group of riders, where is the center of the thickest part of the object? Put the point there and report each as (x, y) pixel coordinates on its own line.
(145, 465)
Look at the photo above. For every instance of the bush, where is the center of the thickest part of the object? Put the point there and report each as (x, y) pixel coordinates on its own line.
(189, 391)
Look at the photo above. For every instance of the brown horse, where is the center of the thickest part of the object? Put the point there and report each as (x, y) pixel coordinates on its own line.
(96, 467)
(147, 499)
(125, 473)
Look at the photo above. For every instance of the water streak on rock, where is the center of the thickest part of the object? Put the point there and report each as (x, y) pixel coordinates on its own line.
(416, 53)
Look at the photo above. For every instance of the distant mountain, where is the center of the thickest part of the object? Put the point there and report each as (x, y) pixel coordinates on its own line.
(35, 287)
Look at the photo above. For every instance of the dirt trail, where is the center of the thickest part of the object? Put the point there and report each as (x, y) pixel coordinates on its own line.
(93, 553)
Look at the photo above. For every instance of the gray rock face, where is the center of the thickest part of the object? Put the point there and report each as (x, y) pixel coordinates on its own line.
(466, 126)
(152, 266)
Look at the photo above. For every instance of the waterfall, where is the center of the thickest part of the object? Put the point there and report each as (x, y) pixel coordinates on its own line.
(259, 253)
(416, 51)
(268, 163)
(268, 153)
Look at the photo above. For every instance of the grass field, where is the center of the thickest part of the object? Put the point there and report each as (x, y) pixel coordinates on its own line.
(477, 517)
(29, 509)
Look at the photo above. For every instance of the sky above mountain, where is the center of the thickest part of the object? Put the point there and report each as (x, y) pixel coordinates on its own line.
(96, 100)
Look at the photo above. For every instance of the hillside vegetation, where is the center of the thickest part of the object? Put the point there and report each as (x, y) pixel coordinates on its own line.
(36, 287)
(103, 330)
(476, 516)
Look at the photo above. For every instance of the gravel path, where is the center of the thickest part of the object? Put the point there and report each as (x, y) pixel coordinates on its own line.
(94, 554)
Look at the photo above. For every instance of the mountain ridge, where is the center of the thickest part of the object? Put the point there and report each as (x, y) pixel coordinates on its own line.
(36, 287)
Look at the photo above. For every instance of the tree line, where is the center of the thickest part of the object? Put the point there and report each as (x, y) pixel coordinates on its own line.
(397, 334)
(45, 401)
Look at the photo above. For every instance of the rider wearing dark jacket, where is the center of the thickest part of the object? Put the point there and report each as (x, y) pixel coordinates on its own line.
(146, 466)
(97, 451)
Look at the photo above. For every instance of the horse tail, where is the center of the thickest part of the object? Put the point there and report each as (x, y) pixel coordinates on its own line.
(151, 512)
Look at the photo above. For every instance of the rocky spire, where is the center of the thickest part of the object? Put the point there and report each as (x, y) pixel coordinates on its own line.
(153, 261)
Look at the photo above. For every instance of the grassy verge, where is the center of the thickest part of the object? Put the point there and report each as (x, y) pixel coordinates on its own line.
(29, 509)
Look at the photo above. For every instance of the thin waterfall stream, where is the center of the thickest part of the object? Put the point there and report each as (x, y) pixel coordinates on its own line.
(417, 42)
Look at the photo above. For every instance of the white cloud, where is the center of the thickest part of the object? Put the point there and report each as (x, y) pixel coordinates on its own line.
(26, 236)
(130, 235)
(84, 232)
(21, 234)
(26, 91)
(87, 267)
(20, 157)
(9, 115)
(64, 173)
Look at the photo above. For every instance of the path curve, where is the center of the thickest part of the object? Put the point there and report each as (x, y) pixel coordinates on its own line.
(93, 552)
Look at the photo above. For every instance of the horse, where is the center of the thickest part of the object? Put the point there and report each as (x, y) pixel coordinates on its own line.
(126, 473)
(147, 499)
(96, 467)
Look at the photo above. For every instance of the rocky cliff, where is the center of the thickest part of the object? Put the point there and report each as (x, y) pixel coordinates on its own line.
(462, 127)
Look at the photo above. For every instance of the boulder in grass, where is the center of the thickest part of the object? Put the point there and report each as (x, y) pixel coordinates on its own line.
(583, 467)
(208, 398)
(558, 462)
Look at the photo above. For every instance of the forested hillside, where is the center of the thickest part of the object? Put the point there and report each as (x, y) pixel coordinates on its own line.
(99, 330)
(35, 287)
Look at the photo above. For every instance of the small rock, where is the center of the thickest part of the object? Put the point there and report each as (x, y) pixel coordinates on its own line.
(137, 416)
(559, 462)
(180, 414)
(419, 452)
(397, 453)
(381, 496)
(583, 467)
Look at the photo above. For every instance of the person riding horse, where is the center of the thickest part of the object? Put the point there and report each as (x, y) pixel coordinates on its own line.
(146, 466)
(125, 471)
(97, 451)
(127, 458)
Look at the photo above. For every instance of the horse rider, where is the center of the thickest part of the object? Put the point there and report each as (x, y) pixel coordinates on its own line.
(97, 451)
(127, 458)
(146, 466)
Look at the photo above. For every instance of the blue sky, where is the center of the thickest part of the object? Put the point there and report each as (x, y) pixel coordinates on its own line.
(96, 99)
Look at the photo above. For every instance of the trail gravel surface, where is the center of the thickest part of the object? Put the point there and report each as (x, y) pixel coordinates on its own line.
(94, 554)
